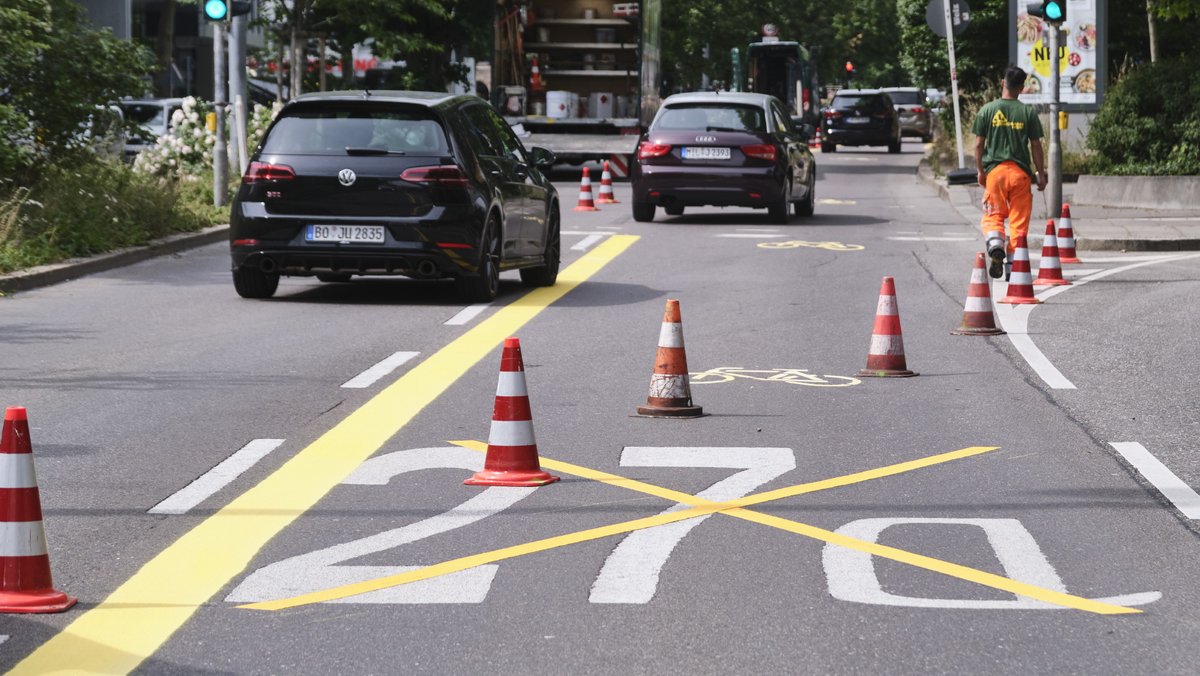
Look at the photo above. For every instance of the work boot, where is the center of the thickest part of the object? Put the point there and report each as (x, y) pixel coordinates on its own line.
(1008, 271)
(995, 251)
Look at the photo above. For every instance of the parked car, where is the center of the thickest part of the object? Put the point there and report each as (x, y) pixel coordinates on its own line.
(911, 106)
(420, 184)
(150, 118)
(860, 117)
(724, 149)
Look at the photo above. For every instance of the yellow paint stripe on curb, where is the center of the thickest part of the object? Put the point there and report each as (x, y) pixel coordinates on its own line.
(702, 507)
(133, 622)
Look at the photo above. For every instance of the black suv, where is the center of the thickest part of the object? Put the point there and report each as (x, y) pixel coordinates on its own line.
(860, 117)
(420, 184)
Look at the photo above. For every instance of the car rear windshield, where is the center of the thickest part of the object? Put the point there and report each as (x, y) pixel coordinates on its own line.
(905, 98)
(711, 117)
(330, 130)
(152, 115)
(859, 101)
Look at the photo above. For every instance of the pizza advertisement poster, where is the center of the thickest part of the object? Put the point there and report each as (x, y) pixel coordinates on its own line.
(1079, 53)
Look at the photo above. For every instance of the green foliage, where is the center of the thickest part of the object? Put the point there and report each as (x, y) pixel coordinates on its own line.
(980, 52)
(1149, 123)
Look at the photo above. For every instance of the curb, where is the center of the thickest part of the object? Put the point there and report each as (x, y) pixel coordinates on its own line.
(54, 273)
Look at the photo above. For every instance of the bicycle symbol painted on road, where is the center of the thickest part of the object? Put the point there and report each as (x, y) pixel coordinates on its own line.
(797, 243)
(725, 374)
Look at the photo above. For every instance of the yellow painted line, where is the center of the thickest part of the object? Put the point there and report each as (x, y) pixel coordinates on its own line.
(700, 507)
(137, 618)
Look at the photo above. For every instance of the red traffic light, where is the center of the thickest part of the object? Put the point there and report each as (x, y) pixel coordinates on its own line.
(849, 67)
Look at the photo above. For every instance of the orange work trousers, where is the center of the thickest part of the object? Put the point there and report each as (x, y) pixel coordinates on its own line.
(1008, 195)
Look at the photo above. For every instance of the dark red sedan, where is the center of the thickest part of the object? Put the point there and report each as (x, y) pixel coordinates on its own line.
(724, 149)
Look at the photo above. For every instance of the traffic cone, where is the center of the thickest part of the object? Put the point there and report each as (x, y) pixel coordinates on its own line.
(978, 319)
(670, 391)
(1049, 269)
(885, 359)
(535, 77)
(606, 195)
(585, 193)
(1066, 238)
(25, 585)
(512, 455)
(1020, 283)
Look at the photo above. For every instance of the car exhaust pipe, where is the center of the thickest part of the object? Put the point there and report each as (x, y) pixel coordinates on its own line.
(426, 268)
(266, 264)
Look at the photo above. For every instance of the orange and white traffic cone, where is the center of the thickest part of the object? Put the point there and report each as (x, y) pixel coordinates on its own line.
(885, 359)
(535, 77)
(1020, 283)
(512, 455)
(585, 193)
(1066, 238)
(606, 195)
(670, 390)
(978, 318)
(1049, 269)
(25, 584)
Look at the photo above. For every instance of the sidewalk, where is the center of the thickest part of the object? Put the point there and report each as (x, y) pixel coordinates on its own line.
(1096, 228)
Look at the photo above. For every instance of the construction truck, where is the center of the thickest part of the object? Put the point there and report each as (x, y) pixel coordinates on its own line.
(580, 76)
(787, 71)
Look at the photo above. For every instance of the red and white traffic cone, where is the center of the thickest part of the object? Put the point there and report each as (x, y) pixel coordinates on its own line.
(1066, 237)
(885, 358)
(606, 195)
(535, 77)
(25, 584)
(1020, 283)
(670, 390)
(512, 455)
(1049, 269)
(585, 193)
(978, 318)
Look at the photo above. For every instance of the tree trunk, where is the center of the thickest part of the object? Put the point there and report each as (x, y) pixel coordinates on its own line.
(321, 60)
(1152, 23)
(298, 62)
(279, 67)
(165, 48)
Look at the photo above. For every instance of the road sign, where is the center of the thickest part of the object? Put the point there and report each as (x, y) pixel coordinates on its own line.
(960, 16)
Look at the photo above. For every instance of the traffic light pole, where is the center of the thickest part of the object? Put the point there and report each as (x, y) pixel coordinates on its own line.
(1054, 161)
(961, 175)
(220, 156)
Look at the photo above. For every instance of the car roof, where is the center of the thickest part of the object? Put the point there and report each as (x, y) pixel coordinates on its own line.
(900, 89)
(857, 92)
(427, 99)
(743, 98)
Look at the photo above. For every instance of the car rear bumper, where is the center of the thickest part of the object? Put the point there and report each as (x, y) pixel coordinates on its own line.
(706, 186)
(915, 127)
(858, 137)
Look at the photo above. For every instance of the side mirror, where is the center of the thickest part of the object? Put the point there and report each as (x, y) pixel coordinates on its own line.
(542, 158)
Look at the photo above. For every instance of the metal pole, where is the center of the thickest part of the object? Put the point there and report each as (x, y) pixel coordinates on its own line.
(1054, 163)
(237, 82)
(958, 135)
(220, 157)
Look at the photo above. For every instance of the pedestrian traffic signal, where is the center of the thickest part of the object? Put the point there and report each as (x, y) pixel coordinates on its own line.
(1054, 11)
(220, 10)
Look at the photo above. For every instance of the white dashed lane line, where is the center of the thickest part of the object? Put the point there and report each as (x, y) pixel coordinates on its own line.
(371, 375)
(216, 478)
(586, 242)
(467, 314)
(1172, 487)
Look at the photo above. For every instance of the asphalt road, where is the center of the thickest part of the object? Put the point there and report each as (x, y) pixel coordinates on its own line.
(140, 381)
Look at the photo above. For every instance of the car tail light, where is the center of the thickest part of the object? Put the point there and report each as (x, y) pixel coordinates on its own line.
(245, 242)
(832, 114)
(258, 172)
(446, 174)
(647, 150)
(761, 151)
(918, 109)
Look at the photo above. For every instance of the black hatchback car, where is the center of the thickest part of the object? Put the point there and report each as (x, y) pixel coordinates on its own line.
(724, 149)
(860, 117)
(421, 184)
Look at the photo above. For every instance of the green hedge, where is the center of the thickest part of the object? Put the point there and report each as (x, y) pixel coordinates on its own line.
(1150, 122)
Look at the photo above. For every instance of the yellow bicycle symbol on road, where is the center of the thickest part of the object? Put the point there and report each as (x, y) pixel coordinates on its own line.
(797, 243)
(725, 374)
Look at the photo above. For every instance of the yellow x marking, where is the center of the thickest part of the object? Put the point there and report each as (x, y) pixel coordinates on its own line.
(700, 507)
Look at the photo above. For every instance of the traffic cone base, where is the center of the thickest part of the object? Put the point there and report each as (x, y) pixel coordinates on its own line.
(670, 391)
(25, 584)
(512, 455)
(978, 318)
(885, 358)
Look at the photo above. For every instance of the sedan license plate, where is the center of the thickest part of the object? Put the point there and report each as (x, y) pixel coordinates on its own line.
(352, 234)
(706, 153)
(857, 120)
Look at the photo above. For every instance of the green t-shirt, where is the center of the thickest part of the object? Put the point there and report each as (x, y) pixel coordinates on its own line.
(1009, 126)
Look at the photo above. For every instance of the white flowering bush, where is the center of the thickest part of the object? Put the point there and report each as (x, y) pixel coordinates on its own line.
(185, 152)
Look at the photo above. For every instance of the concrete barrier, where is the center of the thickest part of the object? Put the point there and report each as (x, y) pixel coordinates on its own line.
(1138, 192)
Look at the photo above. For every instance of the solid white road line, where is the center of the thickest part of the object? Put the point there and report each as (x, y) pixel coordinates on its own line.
(1180, 494)
(216, 478)
(467, 314)
(368, 377)
(583, 244)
